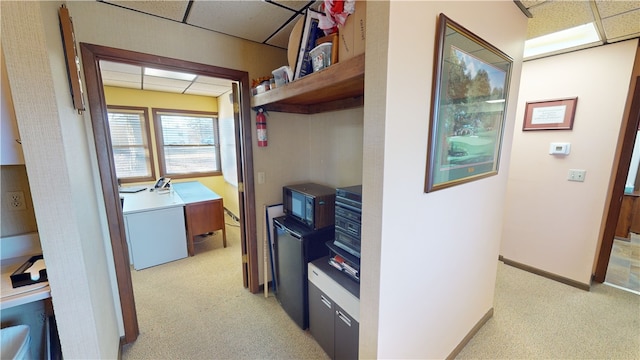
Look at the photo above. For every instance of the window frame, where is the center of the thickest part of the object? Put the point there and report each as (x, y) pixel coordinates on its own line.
(156, 113)
(147, 137)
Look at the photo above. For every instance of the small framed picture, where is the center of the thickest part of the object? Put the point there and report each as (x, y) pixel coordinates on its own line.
(550, 114)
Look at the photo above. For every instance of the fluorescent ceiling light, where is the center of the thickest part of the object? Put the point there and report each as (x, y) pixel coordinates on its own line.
(495, 101)
(566, 39)
(169, 74)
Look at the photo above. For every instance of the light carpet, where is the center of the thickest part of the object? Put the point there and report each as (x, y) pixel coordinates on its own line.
(197, 308)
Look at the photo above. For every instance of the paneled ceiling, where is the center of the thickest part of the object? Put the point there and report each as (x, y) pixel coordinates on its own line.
(270, 22)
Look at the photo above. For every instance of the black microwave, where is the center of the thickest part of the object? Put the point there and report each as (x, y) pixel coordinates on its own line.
(310, 204)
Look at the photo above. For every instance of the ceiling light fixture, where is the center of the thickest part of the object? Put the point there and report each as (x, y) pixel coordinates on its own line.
(169, 74)
(575, 38)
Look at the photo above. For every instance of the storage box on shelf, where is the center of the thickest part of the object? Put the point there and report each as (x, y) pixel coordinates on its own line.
(340, 86)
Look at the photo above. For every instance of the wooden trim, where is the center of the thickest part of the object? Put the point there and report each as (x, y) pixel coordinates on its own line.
(471, 334)
(247, 195)
(91, 56)
(619, 180)
(548, 275)
(113, 207)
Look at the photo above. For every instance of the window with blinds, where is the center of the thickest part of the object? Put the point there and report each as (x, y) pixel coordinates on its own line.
(129, 130)
(187, 142)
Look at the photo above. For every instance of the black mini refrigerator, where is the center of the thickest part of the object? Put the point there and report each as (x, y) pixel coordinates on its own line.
(295, 246)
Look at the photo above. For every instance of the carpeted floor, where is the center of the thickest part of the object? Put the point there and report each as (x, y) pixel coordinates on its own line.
(538, 318)
(197, 308)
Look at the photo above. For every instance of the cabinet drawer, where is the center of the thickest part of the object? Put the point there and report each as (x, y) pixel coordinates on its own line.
(321, 319)
(332, 289)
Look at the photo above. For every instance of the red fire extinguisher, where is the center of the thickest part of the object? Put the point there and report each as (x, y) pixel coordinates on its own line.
(261, 126)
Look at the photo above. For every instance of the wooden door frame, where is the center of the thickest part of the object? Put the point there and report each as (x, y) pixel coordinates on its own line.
(627, 138)
(91, 56)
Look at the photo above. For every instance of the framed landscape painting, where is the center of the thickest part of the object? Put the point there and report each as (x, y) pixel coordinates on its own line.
(468, 107)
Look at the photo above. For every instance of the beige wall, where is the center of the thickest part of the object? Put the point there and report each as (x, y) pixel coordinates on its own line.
(322, 148)
(550, 223)
(437, 253)
(58, 144)
(14, 222)
(57, 158)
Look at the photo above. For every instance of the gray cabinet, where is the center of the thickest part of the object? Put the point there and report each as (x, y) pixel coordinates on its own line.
(334, 310)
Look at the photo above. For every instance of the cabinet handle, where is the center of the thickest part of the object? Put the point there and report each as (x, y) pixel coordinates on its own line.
(343, 317)
(325, 301)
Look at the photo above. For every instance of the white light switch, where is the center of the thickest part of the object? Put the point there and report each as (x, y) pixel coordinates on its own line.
(577, 175)
(261, 177)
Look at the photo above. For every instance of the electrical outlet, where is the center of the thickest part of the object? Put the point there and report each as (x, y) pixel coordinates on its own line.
(16, 201)
(576, 175)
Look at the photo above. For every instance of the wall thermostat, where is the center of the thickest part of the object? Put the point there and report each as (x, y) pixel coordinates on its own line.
(559, 148)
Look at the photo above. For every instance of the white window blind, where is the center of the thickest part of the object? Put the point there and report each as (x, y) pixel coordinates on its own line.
(129, 134)
(189, 143)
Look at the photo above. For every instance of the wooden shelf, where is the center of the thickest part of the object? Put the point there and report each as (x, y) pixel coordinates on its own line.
(340, 86)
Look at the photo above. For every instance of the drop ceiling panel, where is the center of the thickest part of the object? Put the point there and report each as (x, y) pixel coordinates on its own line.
(123, 84)
(281, 39)
(174, 9)
(119, 67)
(296, 4)
(213, 81)
(119, 76)
(207, 90)
(623, 26)
(530, 3)
(608, 8)
(253, 20)
(159, 81)
(550, 17)
(163, 88)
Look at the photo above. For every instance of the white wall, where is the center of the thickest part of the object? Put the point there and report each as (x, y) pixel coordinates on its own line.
(550, 223)
(58, 164)
(437, 253)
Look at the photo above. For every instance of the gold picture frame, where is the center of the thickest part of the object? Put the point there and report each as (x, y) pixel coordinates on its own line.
(468, 107)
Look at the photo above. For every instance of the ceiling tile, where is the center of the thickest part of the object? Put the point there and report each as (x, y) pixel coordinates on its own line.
(621, 27)
(207, 89)
(281, 39)
(608, 8)
(154, 80)
(108, 75)
(171, 9)
(213, 81)
(297, 4)
(122, 84)
(530, 3)
(246, 21)
(163, 88)
(119, 67)
(554, 16)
